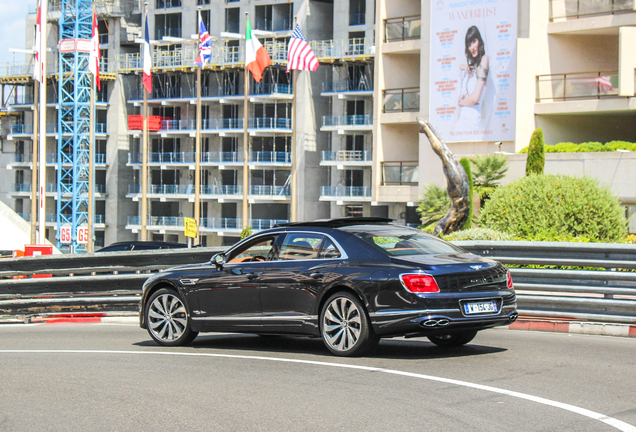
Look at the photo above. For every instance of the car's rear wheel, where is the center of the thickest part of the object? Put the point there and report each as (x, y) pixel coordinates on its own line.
(453, 340)
(167, 319)
(345, 327)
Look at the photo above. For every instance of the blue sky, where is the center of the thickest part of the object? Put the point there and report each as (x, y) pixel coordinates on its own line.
(12, 29)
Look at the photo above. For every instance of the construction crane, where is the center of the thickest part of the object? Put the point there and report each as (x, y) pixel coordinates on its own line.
(74, 91)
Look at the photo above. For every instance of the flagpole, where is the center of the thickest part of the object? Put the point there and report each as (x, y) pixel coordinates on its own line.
(294, 191)
(246, 137)
(34, 164)
(197, 150)
(42, 142)
(144, 155)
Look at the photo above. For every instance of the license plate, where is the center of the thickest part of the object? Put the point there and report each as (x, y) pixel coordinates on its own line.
(480, 307)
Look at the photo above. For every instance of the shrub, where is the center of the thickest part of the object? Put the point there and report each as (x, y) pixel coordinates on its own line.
(568, 147)
(562, 148)
(478, 234)
(556, 208)
(487, 171)
(623, 145)
(434, 203)
(247, 231)
(536, 157)
(592, 147)
(466, 164)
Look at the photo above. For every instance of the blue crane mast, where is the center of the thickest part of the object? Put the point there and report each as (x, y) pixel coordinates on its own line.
(74, 92)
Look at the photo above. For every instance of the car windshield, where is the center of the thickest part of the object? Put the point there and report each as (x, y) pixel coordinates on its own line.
(396, 241)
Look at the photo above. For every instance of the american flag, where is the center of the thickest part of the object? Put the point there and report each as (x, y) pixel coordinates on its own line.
(299, 54)
(205, 45)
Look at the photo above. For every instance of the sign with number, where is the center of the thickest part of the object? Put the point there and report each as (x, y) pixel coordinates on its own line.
(82, 234)
(190, 227)
(65, 234)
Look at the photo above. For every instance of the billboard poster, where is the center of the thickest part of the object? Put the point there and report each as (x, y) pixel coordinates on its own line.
(472, 71)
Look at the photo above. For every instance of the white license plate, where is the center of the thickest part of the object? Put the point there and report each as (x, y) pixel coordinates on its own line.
(480, 307)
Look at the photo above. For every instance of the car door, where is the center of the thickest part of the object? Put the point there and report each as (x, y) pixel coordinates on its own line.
(290, 284)
(228, 297)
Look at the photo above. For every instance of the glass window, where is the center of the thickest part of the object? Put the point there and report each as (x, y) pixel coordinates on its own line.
(300, 246)
(396, 241)
(256, 250)
(329, 250)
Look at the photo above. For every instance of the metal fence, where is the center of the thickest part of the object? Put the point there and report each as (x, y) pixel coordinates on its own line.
(112, 281)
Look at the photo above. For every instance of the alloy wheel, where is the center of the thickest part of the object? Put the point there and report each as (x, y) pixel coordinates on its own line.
(342, 324)
(167, 318)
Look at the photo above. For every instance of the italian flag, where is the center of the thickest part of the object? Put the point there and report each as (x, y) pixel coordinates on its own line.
(256, 57)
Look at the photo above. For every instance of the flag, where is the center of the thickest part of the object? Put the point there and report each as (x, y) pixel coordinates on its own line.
(95, 55)
(205, 45)
(256, 57)
(299, 53)
(37, 64)
(147, 80)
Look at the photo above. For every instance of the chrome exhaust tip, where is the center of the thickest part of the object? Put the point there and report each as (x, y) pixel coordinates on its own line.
(430, 323)
(513, 317)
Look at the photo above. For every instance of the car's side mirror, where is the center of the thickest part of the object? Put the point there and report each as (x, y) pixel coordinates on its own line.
(218, 260)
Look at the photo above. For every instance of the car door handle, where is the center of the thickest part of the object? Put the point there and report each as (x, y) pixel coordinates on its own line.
(317, 275)
(251, 276)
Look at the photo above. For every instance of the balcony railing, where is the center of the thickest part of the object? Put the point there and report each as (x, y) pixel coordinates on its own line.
(402, 28)
(186, 157)
(52, 188)
(270, 157)
(358, 85)
(223, 190)
(583, 8)
(348, 120)
(270, 190)
(212, 91)
(579, 85)
(271, 88)
(269, 123)
(219, 224)
(347, 156)
(345, 191)
(400, 173)
(263, 224)
(401, 100)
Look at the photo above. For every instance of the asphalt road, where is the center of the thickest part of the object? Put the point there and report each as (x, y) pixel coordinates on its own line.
(112, 377)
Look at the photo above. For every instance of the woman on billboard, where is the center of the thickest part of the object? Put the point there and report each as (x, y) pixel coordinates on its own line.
(474, 75)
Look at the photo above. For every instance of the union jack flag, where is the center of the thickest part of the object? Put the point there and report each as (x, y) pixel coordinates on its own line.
(205, 45)
(299, 54)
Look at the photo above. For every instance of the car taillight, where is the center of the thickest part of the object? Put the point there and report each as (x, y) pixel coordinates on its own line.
(419, 283)
(509, 280)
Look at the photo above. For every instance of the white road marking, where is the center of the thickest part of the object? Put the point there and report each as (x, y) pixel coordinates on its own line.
(615, 423)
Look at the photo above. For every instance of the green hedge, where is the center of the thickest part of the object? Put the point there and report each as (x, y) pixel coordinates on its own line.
(592, 146)
(556, 208)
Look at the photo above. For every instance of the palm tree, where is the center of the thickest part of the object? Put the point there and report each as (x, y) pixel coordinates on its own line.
(487, 171)
(434, 203)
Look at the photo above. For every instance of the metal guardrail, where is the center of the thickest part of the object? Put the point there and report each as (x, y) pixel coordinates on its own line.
(597, 295)
(112, 281)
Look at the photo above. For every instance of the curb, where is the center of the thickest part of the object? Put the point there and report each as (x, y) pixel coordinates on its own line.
(590, 328)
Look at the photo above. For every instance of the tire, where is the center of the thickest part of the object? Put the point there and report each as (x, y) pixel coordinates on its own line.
(453, 340)
(345, 327)
(167, 319)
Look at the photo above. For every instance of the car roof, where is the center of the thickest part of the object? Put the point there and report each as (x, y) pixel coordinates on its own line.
(339, 222)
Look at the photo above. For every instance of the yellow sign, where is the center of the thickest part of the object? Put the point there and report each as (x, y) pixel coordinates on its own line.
(190, 227)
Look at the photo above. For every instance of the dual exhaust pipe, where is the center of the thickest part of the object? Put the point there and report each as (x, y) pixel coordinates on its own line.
(443, 322)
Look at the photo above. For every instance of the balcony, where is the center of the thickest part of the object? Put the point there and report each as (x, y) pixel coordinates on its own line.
(347, 158)
(51, 189)
(51, 129)
(332, 50)
(401, 100)
(400, 173)
(263, 157)
(345, 193)
(222, 191)
(350, 122)
(358, 86)
(186, 158)
(402, 28)
(270, 124)
(270, 191)
(579, 85)
(574, 9)
(272, 89)
(205, 224)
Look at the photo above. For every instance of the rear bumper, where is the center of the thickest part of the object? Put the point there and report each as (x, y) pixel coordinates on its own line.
(438, 321)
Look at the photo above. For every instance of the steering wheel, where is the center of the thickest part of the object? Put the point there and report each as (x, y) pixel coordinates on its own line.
(258, 258)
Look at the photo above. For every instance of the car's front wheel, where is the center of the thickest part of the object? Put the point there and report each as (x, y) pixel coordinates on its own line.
(167, 319)
(345, 327)
(453, 340)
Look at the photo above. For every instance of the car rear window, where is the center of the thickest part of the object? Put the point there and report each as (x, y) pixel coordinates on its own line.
(397, 241)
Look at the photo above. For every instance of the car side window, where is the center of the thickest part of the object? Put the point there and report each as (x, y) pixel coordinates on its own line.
(329, 250)
(300, 246)
(257, 250)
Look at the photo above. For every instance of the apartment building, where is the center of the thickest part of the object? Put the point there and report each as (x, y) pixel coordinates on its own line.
(334, 118)
(566, 66)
